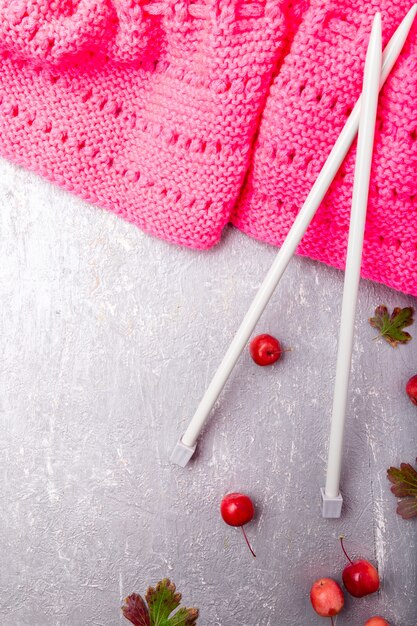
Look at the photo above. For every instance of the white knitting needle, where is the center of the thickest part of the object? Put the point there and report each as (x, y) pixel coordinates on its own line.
(331, 497)
(186, 445)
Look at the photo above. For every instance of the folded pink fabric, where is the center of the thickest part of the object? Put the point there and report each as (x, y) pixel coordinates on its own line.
(182, 116)
(307, 106)
(148, 109)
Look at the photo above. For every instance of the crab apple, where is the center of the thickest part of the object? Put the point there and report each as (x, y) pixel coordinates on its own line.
(377, 621)
(237, 510)
(411, 389)
(359, 577)
(326, 597)
(265, 349)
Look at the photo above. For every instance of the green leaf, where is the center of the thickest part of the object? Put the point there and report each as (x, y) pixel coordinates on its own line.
(184, 617)
(404, 482)
(391, 326)
(135, 610)
(162, 601)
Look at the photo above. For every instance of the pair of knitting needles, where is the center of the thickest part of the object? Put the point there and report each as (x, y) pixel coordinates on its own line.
(376, 71)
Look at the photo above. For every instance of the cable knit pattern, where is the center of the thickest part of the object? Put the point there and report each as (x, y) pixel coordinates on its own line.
(309, 101)
(183, 115)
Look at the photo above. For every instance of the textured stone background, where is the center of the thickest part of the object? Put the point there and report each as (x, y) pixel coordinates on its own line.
(108, 340)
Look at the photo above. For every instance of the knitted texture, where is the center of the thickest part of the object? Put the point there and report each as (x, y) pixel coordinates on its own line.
(148, 109)
(309, 101)
(181, 116)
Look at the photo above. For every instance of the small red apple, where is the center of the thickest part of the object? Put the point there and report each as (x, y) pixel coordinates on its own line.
(265, 349)
(411, 389)
(377, 621)
(326, 597)
(237, 510)
(359, 577)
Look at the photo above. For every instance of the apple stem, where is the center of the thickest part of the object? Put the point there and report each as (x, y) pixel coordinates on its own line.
(247, 541)
(344, 551)
(331, 617)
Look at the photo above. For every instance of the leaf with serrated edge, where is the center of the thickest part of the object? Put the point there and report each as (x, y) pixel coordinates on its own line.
(407, 508)
(404, 482)
(162, 601)
(381, 317)
(403, 317)
(391, 326)
(135, 610)
(184, 617)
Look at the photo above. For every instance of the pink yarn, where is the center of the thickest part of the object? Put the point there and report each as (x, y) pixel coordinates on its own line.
(308, 103)
(182, 116)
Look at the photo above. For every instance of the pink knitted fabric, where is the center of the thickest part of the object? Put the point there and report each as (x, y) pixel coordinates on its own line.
(146, 108)
(184, 115)
(308, 103)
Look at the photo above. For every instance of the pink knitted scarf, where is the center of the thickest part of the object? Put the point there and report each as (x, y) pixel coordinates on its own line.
(184, 115)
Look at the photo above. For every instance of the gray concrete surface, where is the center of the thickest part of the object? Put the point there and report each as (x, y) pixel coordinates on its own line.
(108, 340)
